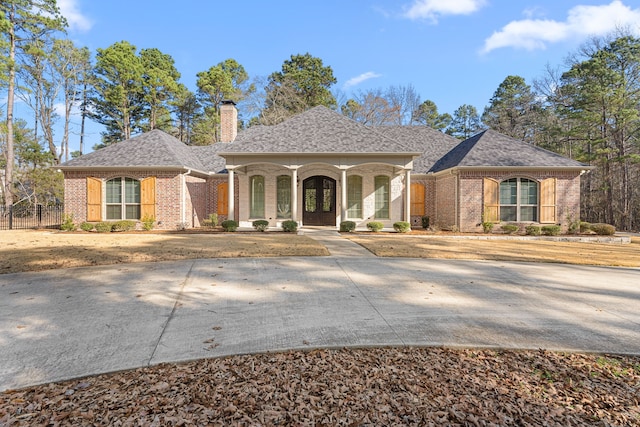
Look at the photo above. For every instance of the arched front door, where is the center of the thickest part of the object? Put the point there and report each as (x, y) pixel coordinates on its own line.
(319, 195)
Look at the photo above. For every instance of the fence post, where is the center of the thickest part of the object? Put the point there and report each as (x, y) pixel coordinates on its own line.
(11, 217)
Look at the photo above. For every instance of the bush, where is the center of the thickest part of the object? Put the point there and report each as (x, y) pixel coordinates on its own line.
(425, 222)
(602, 229)
(260, 224)
(229, 225)
(86, 226)
(585, 227)
(551, 230)
(103, 227)
(123, 225)
(290, 226)
(487, 226)
(375, 226)
(67, 223)
(347, 226)
(147, 222)
(509, 228)
(532, 230)
(402, 226)
(213, 219)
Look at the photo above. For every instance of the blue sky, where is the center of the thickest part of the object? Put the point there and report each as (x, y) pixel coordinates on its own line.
(453, 52)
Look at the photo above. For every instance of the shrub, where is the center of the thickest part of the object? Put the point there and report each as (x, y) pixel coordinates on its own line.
(229, 225)
(551, 230)
(103, 227)
(375, 226)
(602, 229)
(213, 219)
(402, 226)
(347, 226)
(67, 223)
(487, 227)
(509, 228)
(425, 222)
(290, 226)
(532, 230)
(585, 227)
(86, 226)
(573, 224)
(147, 222)
(260, 224)
(123, 225)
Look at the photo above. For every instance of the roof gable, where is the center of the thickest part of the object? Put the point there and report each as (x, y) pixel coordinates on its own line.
(318, 130)
(492, 149)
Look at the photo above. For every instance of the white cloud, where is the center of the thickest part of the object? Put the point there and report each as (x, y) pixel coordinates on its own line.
(581, 22)
(361, 78)
(77, 21)
(432, 9)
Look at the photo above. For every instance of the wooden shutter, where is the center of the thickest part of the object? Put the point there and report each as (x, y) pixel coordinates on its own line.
(223, 198)
(491, 200)
(94, 199)
(548, 201)
(148, 197)
(417, 199)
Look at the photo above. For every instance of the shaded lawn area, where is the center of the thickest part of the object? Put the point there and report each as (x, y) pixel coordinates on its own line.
(399, 245)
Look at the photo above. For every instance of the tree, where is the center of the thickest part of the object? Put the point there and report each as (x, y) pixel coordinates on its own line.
(302, 83)
(465, 123)
(224, 81)
(427, 114)
(187, 110)
(159, 86)
(21, 22)
(117, 92)
(371, 108)
(512, 110)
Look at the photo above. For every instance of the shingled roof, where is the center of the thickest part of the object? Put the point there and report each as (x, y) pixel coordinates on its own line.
(492, 149)
(155, 149)
(318, 130)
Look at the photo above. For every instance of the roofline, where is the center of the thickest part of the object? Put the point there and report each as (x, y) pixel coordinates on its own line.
(131, 168)
(583, 168)
(333, 153)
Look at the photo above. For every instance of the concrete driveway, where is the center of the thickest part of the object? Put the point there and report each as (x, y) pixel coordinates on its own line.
(64, 324)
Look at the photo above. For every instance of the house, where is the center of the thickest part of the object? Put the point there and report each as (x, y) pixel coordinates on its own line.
(320, 168)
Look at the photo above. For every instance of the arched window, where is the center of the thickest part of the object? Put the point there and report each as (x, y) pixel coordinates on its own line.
(283, 196)
(354, 196)
(519, 200)
(123, 198)
(256, 193)
(381, 185)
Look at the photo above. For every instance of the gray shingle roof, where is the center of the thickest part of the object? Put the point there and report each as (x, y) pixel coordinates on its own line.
(318, 130)
(490, 148)
(151, 149)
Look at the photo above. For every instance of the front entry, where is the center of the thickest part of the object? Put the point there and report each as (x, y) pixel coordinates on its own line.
(319, 195)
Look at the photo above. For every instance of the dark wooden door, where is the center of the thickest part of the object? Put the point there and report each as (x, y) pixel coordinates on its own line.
(319, 195)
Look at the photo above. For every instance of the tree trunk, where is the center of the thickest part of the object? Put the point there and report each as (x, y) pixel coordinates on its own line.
(8, 172)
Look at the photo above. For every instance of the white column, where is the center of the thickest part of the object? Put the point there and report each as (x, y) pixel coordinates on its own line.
(232, 198)
(343, 196)
(294, 194)
(407, 190)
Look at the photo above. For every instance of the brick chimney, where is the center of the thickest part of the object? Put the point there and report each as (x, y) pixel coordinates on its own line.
(228, 121)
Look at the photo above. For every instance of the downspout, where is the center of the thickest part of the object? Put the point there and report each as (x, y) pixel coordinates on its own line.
(183, 198)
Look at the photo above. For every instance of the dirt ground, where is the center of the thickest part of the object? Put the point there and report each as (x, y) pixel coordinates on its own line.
(373, 386)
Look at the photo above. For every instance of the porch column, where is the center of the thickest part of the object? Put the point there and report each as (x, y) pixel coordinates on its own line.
(343, 196)
(407, 198)
(231, 197)
(294, 194)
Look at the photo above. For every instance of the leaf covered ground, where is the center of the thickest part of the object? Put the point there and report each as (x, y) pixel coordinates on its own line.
(375, 387)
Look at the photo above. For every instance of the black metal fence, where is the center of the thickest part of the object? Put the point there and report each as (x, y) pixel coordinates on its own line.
(22, 217)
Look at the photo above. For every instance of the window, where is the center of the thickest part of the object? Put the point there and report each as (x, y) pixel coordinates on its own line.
(123, 198)
(381, 184)
(519, 200)
(256, 202)
(283, 196)
(417, 199)
(354, 196)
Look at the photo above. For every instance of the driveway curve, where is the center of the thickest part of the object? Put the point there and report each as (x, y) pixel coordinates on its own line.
(63, 324)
